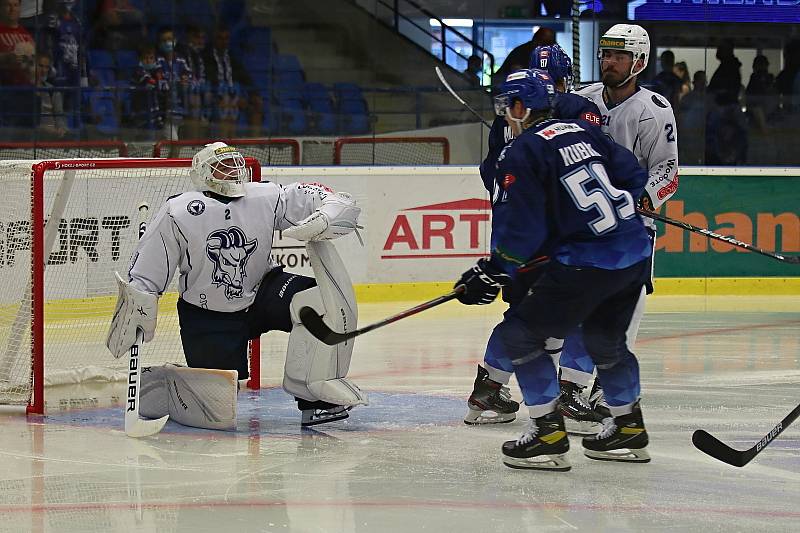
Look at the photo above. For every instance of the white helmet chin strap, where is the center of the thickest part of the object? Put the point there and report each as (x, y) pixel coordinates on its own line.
(518, 121)
(631, 75)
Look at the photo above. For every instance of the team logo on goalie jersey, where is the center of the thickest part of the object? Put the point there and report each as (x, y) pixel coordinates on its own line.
(196, 207)
(229, 250)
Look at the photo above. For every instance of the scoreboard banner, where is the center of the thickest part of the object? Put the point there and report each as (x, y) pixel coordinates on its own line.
(787, 11)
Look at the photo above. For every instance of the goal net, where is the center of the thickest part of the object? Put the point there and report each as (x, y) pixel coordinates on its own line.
(391, 151)
(57, 285)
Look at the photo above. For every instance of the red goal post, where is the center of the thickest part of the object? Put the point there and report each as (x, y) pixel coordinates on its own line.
(81, 216)
(391, 151)
(270, 152)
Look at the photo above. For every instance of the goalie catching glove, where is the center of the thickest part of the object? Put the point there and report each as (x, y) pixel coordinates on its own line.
(336, 216)
(135, 310)
(481, 283)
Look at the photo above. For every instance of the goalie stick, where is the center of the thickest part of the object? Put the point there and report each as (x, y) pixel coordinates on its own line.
(135, 426)
(315, 325)
(709, 444)
(651, 214)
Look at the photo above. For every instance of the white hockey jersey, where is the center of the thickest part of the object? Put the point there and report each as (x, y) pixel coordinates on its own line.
(220, 248)
(644, 124)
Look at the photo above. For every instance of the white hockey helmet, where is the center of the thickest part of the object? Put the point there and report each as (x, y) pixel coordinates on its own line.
(631, 38)
(221, 169)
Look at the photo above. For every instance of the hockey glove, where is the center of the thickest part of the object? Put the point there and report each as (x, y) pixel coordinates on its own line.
(482, 283)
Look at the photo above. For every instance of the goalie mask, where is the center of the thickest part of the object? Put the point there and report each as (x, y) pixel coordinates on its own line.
(630, 38)
(221, 169)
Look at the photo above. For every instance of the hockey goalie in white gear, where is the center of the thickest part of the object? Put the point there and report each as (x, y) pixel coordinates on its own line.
(221, 169)
(314, 371)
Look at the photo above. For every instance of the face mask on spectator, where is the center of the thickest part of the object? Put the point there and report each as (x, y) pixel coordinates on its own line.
(166, 47)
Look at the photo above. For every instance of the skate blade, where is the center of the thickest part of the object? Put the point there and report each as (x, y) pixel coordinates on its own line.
(324, 419)
(624, 455)
(581, 427)
(476, 417)
(555, 463)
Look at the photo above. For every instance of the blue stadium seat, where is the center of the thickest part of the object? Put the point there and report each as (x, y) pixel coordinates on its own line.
(100, 59)
(127, 61)
(102, 108)
(318, 100)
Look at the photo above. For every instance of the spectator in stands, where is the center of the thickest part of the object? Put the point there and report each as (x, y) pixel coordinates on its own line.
(726, 82)
(553, 8)
(146, 115)
(174, 78)
(474, 69)
(17, 74)
(118, 25)
(227, 77)
(693, 111)
(52, 122)
(63, 37)
(17, 48)
(666, 83)
(760, 93)
(200, 101)
(520, 56)
(681, 70)
(786, 82)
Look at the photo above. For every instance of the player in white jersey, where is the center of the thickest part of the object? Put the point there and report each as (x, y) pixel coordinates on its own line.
(643, 122)
(219, 239)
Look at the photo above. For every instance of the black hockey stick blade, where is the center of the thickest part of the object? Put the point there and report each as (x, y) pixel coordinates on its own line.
(709, 444)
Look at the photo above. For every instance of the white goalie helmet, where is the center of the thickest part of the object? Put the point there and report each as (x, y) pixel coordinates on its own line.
(221, 169)
(631, 38)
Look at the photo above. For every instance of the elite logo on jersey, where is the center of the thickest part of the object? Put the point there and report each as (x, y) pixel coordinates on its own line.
(196, 207)
(229, 250)
(593, 118)
(558, 129)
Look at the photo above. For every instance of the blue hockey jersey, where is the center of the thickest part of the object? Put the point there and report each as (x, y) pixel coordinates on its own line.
(567, 184)
(565, 106)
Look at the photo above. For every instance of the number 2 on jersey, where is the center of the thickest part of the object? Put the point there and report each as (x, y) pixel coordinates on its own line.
(602, 199)
(227, 214)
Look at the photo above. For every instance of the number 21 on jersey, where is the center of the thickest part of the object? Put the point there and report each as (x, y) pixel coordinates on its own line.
(611, 203)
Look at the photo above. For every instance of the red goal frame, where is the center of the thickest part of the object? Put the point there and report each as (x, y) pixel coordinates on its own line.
(38, 216)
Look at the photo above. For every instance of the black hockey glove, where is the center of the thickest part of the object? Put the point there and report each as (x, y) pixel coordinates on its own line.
(482, 283)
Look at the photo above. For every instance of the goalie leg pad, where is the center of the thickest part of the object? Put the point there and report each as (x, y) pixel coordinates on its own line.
(314, 370)
(195, 397)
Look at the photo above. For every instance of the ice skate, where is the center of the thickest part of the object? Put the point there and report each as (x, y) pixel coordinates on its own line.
(623, 438)
(490, 402)
(320, 412)
(579, 416)
(541, 447)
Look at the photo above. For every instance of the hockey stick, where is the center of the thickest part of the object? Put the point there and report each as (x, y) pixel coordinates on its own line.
(708, 233)
(707, 443)
(135, 426)
(461, 100)
(317, 327)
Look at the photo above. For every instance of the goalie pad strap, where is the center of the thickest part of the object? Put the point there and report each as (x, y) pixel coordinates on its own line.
(195, 397)
(135, 309)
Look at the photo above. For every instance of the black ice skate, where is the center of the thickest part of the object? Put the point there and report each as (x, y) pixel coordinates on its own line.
(623, 438)
(579, 416)
(490, 402)
(320, 412)
(541, 447)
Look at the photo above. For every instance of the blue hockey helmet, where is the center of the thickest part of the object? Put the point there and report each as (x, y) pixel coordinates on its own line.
(555, 61)
(533, 87)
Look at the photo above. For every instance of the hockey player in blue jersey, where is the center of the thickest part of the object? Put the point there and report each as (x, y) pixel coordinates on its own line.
(556, 63)
(567, 189)
(553, 60)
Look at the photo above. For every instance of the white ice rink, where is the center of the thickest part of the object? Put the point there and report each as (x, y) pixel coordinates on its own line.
(407, 462)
